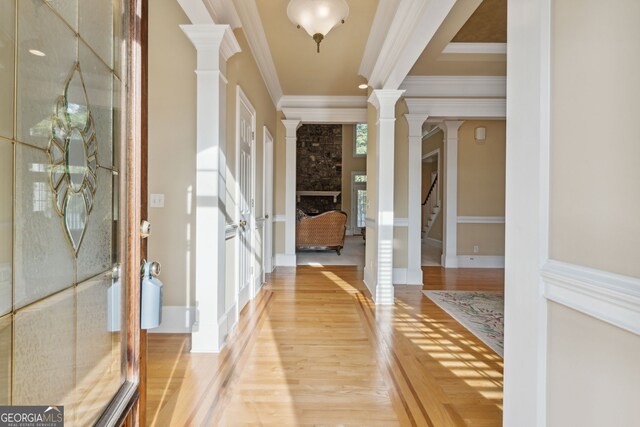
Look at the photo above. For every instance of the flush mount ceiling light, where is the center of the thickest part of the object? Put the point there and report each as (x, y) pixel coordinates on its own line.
(317, 17)
(363, 86)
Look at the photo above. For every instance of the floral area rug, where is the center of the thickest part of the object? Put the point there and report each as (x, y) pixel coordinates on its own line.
(482, 313)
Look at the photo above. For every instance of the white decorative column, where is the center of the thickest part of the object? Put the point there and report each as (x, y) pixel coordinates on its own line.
(385, 103)
(214, 45)
(414, 241)
(291, 139)
(450, 246)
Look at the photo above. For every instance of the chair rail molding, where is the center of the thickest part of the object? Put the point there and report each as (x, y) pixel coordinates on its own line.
(610, 297)
(481, 220)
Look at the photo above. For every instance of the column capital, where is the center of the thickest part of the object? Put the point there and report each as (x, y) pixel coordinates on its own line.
(416, 121)
(385, 101)
(450, 127)
(212, 41)
(291, 126)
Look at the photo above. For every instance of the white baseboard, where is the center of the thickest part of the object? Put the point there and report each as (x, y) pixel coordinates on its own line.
(284, 260)
(244, 296)
(449, 261)
(226, 324)
(612, 298)
(176, 320)
(257, 283)
(433, 242)
(405, 276)
(369, 281)
(475, 261)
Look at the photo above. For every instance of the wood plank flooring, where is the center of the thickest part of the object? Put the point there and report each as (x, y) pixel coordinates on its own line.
(313, 350)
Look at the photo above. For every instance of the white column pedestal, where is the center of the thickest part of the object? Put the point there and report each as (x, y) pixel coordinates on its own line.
(214, 45)
(385, 103)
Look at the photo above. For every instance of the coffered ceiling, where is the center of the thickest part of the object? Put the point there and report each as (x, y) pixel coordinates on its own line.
(468, 42)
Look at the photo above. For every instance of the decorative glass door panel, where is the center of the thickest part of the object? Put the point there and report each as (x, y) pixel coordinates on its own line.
(63, 328)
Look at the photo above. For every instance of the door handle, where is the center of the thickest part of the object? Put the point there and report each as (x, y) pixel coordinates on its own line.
(242, 223)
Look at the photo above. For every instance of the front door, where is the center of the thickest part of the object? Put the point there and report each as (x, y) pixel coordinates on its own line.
(246, 140)
(66, 209)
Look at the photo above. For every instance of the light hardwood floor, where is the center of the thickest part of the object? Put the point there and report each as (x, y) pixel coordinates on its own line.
(313, 350)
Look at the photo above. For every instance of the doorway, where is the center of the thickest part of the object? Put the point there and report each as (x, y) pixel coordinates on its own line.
(431, 206)
(245, 167)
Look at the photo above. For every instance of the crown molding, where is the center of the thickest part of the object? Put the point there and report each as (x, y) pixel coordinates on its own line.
(379, 28)
(459, 108)
(327, 115)
(414, 25)
(196, 11)
(223, 12)
(475, 49)
(288, 101)
(455, 86)
(248, 14)
(206, 37)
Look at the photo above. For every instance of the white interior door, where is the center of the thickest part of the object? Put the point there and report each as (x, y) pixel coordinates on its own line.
(245, 141)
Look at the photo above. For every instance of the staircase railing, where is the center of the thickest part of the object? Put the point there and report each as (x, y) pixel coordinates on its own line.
(433, 185)
(430, 202)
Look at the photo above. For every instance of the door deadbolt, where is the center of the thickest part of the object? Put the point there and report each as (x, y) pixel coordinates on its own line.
(145, 229)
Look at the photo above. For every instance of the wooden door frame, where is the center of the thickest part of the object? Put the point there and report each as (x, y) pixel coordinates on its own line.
(129, 405)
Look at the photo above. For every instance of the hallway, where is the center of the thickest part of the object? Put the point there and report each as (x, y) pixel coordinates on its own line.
(312, 349)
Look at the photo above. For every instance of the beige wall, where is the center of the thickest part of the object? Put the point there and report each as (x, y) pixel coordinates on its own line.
(350, 163)
(481, 186)
(594, 148)
(593, 370)
(172, 150)
(172, 145)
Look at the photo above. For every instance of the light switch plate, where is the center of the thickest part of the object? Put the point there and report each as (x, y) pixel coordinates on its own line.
(156, 201)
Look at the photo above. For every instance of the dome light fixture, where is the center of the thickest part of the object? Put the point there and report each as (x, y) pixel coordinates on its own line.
(317, 17)
(363, 86)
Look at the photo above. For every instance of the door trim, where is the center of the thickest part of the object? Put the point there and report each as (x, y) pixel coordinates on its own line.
(242, 297)
(354, 201)
(128, 406)
(267, 200)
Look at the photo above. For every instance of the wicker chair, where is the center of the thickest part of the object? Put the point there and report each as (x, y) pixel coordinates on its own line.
(321, 232)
